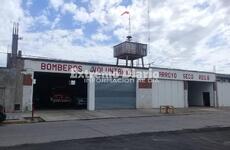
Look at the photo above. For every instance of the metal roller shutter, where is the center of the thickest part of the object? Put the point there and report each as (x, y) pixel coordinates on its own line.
(115, 95)
(168, 92)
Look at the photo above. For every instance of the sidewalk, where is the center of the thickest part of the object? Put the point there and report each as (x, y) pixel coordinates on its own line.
(65, 115)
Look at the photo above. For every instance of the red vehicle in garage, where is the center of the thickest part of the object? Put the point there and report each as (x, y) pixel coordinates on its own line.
(63, 95)
(60, 95)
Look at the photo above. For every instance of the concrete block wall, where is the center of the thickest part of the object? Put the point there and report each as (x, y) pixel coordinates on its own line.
(11, 85)
(7, 85)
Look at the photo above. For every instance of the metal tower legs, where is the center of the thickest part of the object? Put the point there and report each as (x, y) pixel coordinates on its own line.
(127, 61)
(117, 61)
(142, 59)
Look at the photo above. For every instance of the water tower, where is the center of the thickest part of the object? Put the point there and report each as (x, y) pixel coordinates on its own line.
(129, 50)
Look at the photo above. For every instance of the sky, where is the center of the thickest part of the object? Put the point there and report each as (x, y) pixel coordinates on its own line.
(184, 34)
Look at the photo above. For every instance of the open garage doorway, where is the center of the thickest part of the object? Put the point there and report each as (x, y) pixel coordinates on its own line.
(59, 91)
(200, 94)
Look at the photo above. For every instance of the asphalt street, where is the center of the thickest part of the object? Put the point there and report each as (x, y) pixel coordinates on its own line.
(18, 134)
(202, 139)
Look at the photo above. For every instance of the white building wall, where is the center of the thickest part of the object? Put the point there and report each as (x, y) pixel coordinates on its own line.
(143, 97)
(186, 98)
(223, 93)
(27, 98)
(168, 92)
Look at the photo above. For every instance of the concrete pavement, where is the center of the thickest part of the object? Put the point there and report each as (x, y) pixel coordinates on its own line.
(64, 115)
(80, 129)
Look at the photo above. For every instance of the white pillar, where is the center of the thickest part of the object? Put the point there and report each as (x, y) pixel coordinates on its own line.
(27, 99)
(144, 96)
(91, 94)
(216, 102)
(186, 103)
(186, 99)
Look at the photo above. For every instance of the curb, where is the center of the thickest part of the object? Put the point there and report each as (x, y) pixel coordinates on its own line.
(14, 122)
(24, 121)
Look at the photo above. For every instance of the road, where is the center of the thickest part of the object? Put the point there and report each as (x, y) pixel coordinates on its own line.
(205, 139)
(57, 131)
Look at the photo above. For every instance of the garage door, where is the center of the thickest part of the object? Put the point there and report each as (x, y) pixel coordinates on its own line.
(115, 95)
(168, 92)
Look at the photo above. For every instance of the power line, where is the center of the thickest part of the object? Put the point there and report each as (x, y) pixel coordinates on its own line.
(149, 29)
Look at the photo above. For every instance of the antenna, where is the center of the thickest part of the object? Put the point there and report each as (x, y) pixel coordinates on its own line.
(129, 37)
(129, 25)
(15, 38)
(214, 69)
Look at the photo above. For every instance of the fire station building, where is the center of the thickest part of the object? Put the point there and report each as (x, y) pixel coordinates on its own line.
(47, 84)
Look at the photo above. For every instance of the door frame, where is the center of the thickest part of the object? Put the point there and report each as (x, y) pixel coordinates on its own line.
(206, 103)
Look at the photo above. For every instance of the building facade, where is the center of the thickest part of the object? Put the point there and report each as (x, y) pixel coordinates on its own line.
(49, 84)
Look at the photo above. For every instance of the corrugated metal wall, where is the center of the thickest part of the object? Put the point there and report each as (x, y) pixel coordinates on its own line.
(168, 92)
(115, 95)
(223, 93)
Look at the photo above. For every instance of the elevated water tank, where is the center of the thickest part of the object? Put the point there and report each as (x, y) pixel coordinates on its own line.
(130, 51)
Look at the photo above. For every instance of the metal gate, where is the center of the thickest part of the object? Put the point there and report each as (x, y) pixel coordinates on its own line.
(115, 95)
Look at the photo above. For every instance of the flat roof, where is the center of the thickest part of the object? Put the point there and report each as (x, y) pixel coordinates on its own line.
(218, 75)
(79, 62)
